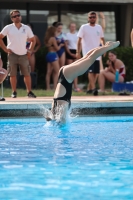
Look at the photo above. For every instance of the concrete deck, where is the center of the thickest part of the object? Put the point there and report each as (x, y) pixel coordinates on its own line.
(82, 99)
(100, 98)
(24, 106)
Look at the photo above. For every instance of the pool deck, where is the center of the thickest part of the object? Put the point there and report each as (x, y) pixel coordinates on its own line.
(83, 102)
(92, 101)
(107, 107)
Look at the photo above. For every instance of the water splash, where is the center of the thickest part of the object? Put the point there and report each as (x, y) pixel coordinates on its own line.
(61, 119)
(46, 113)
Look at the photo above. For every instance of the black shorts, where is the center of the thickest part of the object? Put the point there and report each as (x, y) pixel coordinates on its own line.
(94, 68)
(68, 56)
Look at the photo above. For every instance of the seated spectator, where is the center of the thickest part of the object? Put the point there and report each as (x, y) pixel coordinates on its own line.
(52, 57)
(32, 59)
(109, 72)
(3, 72)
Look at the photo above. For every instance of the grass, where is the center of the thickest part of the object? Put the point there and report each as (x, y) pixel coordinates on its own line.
(45, 93)
(23, 93)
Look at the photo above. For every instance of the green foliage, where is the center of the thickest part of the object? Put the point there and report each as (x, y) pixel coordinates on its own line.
(123, 53)
(45, 93)
(23, 93)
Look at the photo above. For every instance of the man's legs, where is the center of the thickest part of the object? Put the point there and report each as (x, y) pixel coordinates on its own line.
(25, 70)
(13, 81)
(92, 81)
(93, 72)
(92, 84)
(12, 70)
(27, 80)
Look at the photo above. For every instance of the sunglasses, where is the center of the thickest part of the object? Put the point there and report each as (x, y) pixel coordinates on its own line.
(15, 16)
(92, 17)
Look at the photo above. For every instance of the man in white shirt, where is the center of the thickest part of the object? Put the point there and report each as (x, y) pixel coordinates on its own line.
(89, 37)
(17, 35)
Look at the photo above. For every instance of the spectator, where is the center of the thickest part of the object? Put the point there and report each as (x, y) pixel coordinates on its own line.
(54, 24)
(32, 59)
(100, 16)
(52, 57)
(109, 73)
(90, 35)
(61, 38)
(17, 35)
(3, 72)
(71, 50)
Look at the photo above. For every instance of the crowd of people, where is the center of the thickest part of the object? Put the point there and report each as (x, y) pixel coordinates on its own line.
(63, 50)
(66, 48)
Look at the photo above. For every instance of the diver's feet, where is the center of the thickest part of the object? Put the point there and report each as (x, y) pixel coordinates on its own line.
(112, 45)
(48, 119)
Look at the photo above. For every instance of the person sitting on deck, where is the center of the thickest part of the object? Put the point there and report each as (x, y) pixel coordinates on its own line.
(3, 72)
(108, 73)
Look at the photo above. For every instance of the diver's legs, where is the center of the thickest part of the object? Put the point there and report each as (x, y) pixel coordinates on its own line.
(80, 66)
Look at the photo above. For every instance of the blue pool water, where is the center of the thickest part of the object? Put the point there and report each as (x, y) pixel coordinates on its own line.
(89, 158)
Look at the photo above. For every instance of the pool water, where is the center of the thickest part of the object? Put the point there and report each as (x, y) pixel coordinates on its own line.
(89, 158)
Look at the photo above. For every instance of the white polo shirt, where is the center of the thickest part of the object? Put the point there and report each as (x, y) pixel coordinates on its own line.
(91, 36)
(16, 38)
